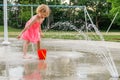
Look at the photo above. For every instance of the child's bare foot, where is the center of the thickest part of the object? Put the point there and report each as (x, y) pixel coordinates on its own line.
(27, 57)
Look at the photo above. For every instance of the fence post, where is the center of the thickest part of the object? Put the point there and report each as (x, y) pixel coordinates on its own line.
(5, 42)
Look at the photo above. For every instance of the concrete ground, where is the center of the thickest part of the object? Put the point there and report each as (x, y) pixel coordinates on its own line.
(66, 60)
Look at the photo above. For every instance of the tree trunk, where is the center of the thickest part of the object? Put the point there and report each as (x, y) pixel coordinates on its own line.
(97, 22)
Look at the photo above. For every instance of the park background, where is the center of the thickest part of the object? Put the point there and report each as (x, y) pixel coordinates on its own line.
(66, 59)
(102, 13)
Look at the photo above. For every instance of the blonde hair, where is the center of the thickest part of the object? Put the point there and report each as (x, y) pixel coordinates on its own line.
(43, 9)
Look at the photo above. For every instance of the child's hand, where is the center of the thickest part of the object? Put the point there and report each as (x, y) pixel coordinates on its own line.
(18, 37)
(42, 35)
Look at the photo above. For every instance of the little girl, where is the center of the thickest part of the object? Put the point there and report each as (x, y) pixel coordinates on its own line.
(32, 31)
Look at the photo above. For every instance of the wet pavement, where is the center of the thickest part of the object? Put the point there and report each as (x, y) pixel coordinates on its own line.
(66, 60)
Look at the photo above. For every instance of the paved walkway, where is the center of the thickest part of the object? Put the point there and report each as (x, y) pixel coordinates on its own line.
(66, 60)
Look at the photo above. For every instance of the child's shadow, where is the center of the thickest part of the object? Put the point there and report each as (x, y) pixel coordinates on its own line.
(32, 72)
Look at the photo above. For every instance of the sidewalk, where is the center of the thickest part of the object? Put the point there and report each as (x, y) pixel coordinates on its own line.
(66, 60)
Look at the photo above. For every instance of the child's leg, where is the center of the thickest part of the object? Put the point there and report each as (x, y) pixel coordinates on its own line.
(38, 45)
(25, 48)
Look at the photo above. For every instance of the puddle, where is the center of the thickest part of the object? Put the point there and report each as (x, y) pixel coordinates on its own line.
(60, 64)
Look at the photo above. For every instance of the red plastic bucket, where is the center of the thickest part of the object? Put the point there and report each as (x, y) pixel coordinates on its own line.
(42, 54)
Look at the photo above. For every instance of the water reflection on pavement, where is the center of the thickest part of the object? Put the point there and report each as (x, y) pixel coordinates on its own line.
(59, 65)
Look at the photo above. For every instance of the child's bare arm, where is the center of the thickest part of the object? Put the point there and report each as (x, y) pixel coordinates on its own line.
(27, 27)
(41, 33)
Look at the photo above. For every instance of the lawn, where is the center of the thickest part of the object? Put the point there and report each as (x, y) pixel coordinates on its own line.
(110, 36)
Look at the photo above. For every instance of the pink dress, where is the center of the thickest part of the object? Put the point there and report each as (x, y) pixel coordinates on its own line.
(32, 34)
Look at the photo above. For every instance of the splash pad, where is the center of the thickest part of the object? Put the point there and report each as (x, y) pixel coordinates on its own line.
(97, 48)
(69, 54)
(89, 32)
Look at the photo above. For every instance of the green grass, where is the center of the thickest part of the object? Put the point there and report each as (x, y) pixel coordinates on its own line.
(12, 32)
(111, 36)
(114, 38)
(10, 29)
(60, 34)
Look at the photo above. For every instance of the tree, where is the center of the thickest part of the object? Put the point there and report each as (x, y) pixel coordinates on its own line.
(114, 10)
(1, 13)
(97, 8)
(1, 2)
